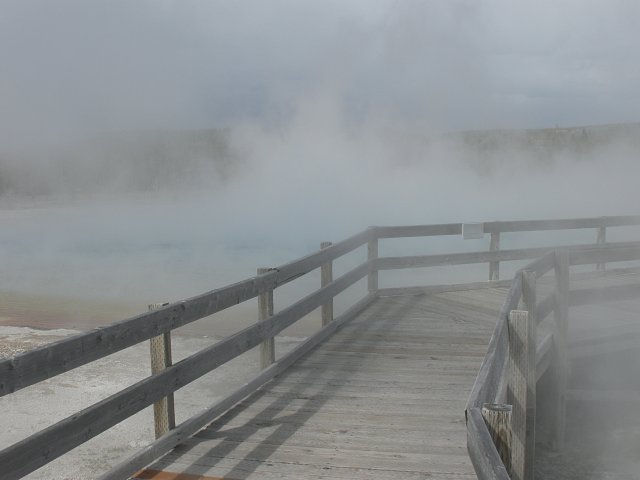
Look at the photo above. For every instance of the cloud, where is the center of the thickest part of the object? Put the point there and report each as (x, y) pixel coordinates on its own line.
(73, 65)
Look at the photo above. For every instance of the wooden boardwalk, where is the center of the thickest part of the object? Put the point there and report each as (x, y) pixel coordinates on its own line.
(381, 390)
(383, 398)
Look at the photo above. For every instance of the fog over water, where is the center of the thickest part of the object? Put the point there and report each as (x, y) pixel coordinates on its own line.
(157, 149)
(154, 150)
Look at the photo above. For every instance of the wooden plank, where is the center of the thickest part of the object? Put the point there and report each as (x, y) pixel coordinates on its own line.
(544, 355)
(192, 425)
(484, 456)
(446, 259)
(494, 267)
(561, 224)
(431, 289)
(265, 311)
(546, 307)
(40, 448)
(163, 475)
(487, 386)
(292, 270)
(372, 257)
(521, 391)
(611, 252)
(273, 470)
(545, 263)
(164, 416)
(418, 230)
(326, 277)
(497, 416)
(560, 334)
(58, 357)
(319, 415)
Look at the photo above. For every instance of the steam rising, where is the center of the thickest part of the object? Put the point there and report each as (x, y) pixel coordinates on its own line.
(150, 151)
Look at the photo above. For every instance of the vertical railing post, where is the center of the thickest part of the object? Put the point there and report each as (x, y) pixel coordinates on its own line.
(265, 310)
(601, 240)
(326, 277)
(164, 417)
(521, 394)
(561, 317)
(497, 416)
(372, 256)
(494, 267)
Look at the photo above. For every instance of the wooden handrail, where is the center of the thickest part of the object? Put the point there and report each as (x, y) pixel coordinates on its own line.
(50, 360)
(492, 374)
(48, 444)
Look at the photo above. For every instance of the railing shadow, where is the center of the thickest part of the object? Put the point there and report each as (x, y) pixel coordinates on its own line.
(316, 397)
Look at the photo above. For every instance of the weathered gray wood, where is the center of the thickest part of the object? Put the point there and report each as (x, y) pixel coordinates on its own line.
(290, 271)
(58, 357)
(265, 310)
(611, 252)
(546, 307)
(544, 355)
(545, 263)
(163, 445)
(521, 392)
(497, 416)
(392, 263)
(560, 224)
(419, 230)
(430, 289)
(494, 267)
(48, 444)
(561, 367)
(372, 257)
(321, 414)
(614, 293)
(601, 239)
(483, 453)
(487, 386)
(507, 226)
(326, 277)
(164, 416)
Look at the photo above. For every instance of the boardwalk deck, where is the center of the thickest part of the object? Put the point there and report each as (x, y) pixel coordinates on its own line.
(382, 398)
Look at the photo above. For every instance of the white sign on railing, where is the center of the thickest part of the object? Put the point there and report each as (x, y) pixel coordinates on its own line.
(472, 231)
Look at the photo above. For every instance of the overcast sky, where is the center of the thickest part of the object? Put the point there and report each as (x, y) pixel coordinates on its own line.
(111, 65)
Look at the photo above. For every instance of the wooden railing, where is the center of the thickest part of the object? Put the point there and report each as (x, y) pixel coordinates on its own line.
(516, 359)
(48, 361)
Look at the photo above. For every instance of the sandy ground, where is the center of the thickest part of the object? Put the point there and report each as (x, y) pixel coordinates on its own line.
(34, 408)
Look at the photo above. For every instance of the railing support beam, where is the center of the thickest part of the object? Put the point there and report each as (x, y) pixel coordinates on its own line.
(494, 267)
(326, 277)
(164, 416)
(265, 310)
(372, 256)
(497, 416)
(521, 393)
(561, 367)
(601, 240)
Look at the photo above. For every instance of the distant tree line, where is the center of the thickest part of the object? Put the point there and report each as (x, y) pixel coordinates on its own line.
(132, 162)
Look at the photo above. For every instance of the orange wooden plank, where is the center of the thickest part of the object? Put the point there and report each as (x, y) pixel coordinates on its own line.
(163, 475)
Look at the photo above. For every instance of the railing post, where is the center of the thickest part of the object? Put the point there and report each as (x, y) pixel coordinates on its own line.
(601, 240)
(497, 416)
(265, 310)
(372, 256)
(326, 277)
(521, 394)
(561, 316)
(164, 416)
(494, 267)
